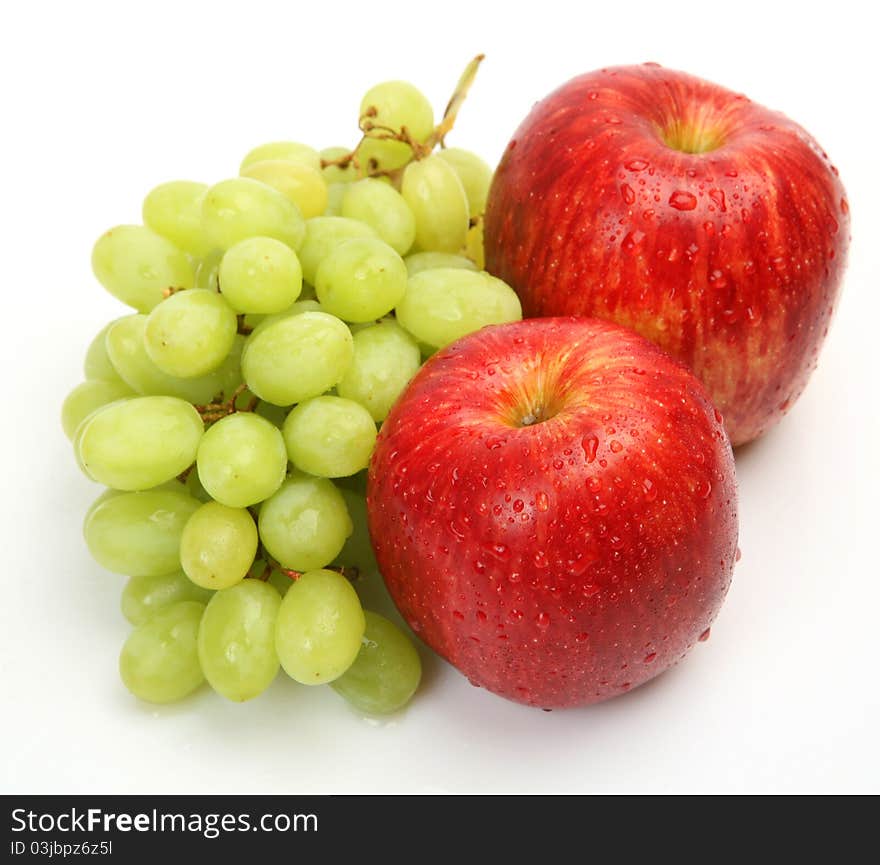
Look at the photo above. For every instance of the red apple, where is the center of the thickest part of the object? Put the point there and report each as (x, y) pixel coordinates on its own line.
(711, 225)
(553, 507)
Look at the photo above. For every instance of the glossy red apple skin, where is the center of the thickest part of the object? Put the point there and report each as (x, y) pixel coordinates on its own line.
(730, 259)
(566, 561)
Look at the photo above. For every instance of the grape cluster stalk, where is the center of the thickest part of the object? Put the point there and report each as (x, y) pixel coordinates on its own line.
(275, 318)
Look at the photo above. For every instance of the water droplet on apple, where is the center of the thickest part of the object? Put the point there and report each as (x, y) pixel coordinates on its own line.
(650, 658)
(739, 554)
(616, 446)
(481, 616)
(704, 489)
(590, 589)
(683, 200)
(582, 638)
(649, 489)
(705, 635)
(540, 559)
(542, 620)
(590, 445)
(636, 165)
(515, 615)
(518, 505)
(499, 551)
(456, 614)
(626, 192)
(541, 501)
(632, 240)
(717, 195)
(718, 416)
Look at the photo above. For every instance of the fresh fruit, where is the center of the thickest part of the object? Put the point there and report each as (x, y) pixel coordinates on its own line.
(191, 333)
(233, 411)
(386, 672)
(304, 525)
(553, 508)
(707, 223)
(443, 304)
(138, 266)
(218, 545)
(236, 641)
(329, 436)
(241, 460)
(138, 533)
(319, 628)
(144, 596)
(138, 443)
(159, 662)
(260, 275)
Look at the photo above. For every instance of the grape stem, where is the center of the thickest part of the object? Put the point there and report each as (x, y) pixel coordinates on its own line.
(219, 409)
(244, 329)
(349, 572)
(420, 149)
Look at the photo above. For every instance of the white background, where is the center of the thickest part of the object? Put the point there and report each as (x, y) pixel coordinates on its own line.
(101, 101)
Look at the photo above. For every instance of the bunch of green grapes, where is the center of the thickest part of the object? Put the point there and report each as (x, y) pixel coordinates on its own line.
(277, 318)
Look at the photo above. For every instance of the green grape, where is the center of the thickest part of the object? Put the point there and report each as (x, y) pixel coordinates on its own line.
(329, 436)
(218, 546)
(378, 155)
(357, 552)
(474, 174)
(128, 353)
(319, 628)
(159, 661)
(241, 460)
(385, 358)
(297, 357)
(174, 210)
(336, 173)
(208, 271)
(437, 199)
(292, 151)
(397, 105)
(302, 184)
(386, 672)
(144, 596)
(260, 275)
(382, 208)
(140, 442)
(136, 266)
(191, 333)
(86, 398)
(335, 196)
(305, 523)
(97, 363)
(444, 304)
(361, 280)
(323, 235)
(237, 640)
(236, 209)
(138, 533)
(394, 106)
(419, 261)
